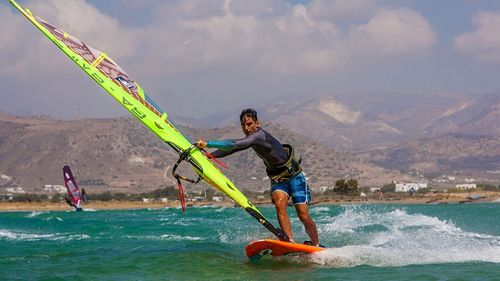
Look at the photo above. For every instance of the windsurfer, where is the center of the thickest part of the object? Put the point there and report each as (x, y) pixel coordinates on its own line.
(69, 202)
(287, 179)
(84, 196)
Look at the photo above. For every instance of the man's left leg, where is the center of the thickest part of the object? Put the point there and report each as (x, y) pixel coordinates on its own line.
(310, 226)
(301, 196)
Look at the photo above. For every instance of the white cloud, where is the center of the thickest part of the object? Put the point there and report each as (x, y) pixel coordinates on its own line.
(21, 44)
(484, 42)
(227, 37)
(307, 45)
(341, 9)
(296, 43)
(188, 9)
(393, 32)
(190, 35)
(86, 22)
(255, 7)
(293, 41)
(189, 40)
(36, 78)
(286, 43)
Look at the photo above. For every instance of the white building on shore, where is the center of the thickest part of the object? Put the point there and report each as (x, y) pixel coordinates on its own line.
(54, 187)
(410, 186)
(15, 190)
(466, 186)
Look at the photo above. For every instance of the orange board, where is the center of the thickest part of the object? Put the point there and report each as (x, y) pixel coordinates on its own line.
(266, 247)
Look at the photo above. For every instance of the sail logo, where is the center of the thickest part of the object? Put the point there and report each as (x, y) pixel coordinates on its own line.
(266, 252)
(129, 85)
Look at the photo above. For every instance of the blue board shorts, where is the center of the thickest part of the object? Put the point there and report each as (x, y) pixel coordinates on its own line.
(296, 187)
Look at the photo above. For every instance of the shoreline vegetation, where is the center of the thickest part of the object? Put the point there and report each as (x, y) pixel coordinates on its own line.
(437, 198)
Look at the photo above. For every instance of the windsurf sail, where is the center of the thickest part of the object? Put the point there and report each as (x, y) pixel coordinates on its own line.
(74, 194)
(103, 70)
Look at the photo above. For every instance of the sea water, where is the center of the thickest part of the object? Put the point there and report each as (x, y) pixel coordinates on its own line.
(369, 242)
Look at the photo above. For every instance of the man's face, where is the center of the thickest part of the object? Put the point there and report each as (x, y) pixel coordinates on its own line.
(249, 126)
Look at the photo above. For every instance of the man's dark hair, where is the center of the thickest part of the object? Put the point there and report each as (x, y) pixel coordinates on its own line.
(249, 112)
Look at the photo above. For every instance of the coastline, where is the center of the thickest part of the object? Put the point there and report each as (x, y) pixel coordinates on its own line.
(439, 198)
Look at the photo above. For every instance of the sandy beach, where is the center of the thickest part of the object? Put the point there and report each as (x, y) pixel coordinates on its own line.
(438, 198)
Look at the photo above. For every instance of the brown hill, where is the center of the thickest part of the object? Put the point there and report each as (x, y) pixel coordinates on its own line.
(470, 156)
(326, 120)
(473, 116)
(122, 155)
(356, 125)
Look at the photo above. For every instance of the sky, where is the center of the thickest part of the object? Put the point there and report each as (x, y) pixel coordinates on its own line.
(196, 58)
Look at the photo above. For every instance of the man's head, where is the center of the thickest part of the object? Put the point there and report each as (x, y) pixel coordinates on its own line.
(249, 121)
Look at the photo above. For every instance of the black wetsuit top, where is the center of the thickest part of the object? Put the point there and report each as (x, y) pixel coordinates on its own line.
(268, 148)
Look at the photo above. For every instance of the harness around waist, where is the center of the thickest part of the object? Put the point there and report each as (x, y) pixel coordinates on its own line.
(288, 170)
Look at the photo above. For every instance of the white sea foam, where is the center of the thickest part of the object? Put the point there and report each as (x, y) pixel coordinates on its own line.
(15, 235)
(206, 206)
(220, 209)
(175, 237)
(397, 238)
(239, 236)
(24, 236)
(168, 237)
(34, 214)
(78, 237)
(53, 218)
(181, 223)
(318, 210)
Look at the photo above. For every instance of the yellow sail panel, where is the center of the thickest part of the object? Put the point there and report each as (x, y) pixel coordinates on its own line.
(130, 95)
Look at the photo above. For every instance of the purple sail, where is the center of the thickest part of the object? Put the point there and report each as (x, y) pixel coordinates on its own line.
(73, 192)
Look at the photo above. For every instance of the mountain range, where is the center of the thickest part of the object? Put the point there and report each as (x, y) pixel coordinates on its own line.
(418, 134)
(474, 116)
(122, 155)
(355, 124)
(336, 137)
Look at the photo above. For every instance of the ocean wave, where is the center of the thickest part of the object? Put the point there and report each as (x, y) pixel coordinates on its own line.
(394, 237)
(35, 213)
(53, 218)
(168, 237)
(24, 236)
(357, 255)
(318, 210)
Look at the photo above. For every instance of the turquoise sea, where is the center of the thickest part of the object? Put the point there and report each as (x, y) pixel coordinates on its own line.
(369, 242)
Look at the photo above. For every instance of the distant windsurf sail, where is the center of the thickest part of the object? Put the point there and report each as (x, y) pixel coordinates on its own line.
(74, 194)
(130, 95)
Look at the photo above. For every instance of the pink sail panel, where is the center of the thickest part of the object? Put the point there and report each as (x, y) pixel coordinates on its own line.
(73, 192)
